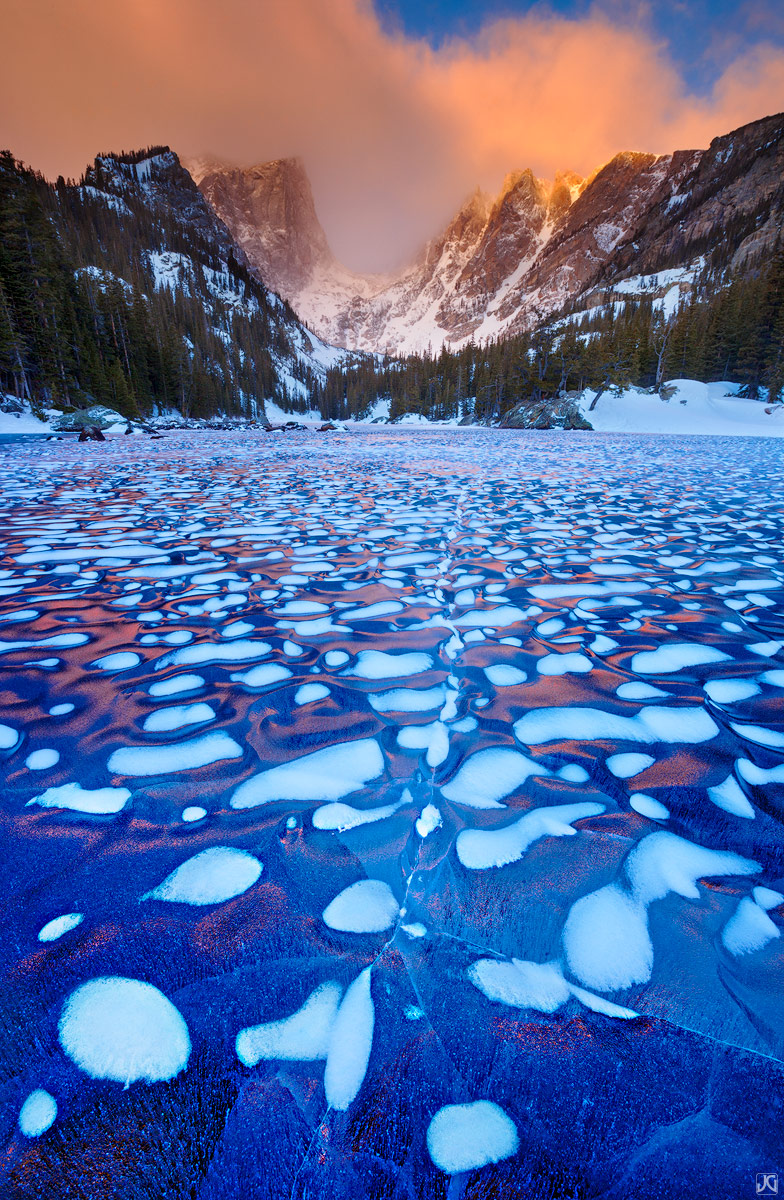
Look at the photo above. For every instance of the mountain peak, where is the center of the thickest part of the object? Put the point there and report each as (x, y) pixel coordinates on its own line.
(270, 210)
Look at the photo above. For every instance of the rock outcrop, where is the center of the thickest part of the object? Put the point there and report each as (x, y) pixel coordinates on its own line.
(562, 412)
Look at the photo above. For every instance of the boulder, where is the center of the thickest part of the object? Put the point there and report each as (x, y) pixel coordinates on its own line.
(97, 417)
(561, 412)
(12, 404)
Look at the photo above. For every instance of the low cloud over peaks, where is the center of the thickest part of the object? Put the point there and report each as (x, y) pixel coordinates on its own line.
(394, 133)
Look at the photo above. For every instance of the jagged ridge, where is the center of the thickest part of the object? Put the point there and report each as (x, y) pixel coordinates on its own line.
(505, 264)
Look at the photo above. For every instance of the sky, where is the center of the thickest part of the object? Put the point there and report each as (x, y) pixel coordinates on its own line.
(399, 108)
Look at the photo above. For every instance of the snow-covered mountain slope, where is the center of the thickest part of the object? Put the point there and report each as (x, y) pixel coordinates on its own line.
(506, 263)
(165, 238)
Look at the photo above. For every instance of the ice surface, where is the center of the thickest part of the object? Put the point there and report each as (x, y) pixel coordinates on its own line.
(368, 906)
(125, 1030)
(463, 1137)
(210, 877)
(372, 736)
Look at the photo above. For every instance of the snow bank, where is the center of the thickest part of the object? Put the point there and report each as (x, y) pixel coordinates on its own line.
(709, 408)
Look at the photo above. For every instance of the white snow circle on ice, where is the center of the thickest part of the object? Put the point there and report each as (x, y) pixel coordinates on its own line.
(37, 1113)
(125, 1030)
(462, 1137)
(364, 907)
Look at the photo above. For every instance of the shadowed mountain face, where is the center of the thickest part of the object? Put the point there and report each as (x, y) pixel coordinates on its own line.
(505, 263)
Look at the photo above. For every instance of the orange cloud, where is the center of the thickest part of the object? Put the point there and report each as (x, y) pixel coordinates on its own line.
(394, 133)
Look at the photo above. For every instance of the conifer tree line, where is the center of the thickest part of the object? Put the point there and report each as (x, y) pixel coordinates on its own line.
(728, 328)
(84, 319)
(83, 322)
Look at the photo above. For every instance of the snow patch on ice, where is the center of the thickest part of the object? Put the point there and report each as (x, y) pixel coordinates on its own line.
(125, 1030)
(464, 1137)
(304, 1036)
(327, 774)
(367, 906)
(209, 877)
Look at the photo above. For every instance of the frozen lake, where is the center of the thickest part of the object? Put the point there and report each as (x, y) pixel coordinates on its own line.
(392, 814)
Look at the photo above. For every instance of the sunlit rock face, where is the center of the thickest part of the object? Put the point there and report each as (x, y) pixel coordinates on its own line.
(506, 262)
(391, 807)
(273, 218)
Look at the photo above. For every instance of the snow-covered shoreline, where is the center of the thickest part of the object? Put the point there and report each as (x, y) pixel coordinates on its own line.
(683, 406)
